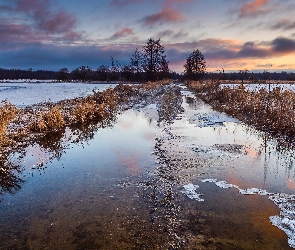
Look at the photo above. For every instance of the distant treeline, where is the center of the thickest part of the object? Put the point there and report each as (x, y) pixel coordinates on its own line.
(243, 75)
(104, 73)
(83, 74)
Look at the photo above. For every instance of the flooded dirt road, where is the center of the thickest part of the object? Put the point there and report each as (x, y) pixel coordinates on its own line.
(170, 173)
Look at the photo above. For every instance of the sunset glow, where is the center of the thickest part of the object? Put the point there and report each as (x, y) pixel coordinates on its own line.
(52, 34)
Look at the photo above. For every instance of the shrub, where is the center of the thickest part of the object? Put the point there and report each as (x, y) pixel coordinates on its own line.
(51, 120)
(7, 113)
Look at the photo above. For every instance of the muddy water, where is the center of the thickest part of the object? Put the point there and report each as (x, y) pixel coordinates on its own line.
(144, 184)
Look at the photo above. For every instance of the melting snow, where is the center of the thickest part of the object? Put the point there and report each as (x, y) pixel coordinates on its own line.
(285, 202)
(211, 120)
(190, 191)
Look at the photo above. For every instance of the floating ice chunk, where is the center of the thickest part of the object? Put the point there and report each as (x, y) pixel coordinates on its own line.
(190, 191)
(211, 120)
(286, 225)
(223, 184)
(209, 180)
(253, 191)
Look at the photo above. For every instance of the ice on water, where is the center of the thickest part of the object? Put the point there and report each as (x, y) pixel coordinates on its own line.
(285, 202)
(211, 120)
(190, 191)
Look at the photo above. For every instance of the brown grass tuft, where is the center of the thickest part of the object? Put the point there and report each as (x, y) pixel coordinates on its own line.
(7, 113)
(46, 121)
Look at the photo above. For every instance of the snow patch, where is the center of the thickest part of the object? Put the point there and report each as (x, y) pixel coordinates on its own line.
(211, 120)
(190, 191)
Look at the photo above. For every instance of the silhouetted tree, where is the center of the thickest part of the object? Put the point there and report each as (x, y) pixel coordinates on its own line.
(103, 73)
(136, 60)
(195, 66)
(114, 72)
(243, 73)
(126, 73)
(154, 61)
(63, 74)
(81, 73)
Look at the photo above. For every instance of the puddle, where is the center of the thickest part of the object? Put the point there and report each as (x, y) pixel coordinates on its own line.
(285, 202)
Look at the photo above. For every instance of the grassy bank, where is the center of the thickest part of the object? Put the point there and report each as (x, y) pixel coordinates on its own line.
(17, 125)
(269, 111)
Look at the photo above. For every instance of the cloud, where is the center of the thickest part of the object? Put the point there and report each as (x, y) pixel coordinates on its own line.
(249, 50)
(122, 33)
(60, 22)
(124, 2)
(5, 8)
(283, 45)
(12, 34)
(228, 50)
(51, 57)
(44, 17)
(253, 8)
(172, 34)
(267, 65)
(218, 52)
(165, 16)
(283, 24)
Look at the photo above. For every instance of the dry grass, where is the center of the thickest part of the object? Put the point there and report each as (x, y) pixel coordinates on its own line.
(46, 117)
(44, 121)
(272, 111)
(7, 113)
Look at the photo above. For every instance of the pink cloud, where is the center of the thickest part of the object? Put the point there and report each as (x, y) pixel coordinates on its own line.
(46, 19)
(72, 35)
(60, 22)
(253, 8)
(122, 33)
(167, 15)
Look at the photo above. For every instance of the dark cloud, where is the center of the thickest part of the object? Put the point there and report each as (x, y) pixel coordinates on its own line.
(49, 57)
(283, 45)
(11, 33)
(249, 50)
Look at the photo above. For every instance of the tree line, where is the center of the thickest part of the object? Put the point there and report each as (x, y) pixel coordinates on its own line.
(147, 64)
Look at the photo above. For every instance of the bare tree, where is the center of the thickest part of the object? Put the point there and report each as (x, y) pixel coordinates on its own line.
(136, 61)
(243, 73)
(195, 66)
(154, 61)
(63, 74)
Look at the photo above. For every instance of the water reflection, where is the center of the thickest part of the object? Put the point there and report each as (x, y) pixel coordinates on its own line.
(29, 156)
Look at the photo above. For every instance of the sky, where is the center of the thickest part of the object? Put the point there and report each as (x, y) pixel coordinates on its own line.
(232, 34)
